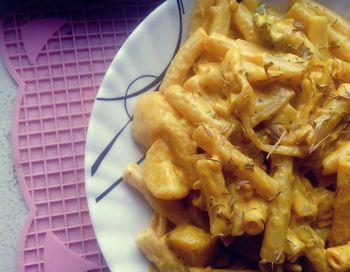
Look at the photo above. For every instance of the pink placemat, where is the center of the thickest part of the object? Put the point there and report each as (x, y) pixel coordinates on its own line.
(58, 54)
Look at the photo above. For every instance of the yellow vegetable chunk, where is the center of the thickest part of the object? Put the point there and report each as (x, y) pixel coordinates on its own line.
(163, 178)
(148, 113)
(193, 245)
(177, 134)
(173, 210)
(158, 253)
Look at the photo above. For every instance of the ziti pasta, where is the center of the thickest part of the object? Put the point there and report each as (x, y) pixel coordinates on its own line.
(247, 145)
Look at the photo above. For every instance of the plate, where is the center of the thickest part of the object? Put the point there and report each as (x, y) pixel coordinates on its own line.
(118, 213)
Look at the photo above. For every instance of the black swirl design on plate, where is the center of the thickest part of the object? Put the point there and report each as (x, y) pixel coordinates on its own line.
(154, 83)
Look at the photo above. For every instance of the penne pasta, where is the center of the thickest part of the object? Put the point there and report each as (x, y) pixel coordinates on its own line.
(243, 20)
(337, 22)
(212, 186)
(254, 216)
(339, 257)
(184, 59)
(196, 109)
(238, 207)
(275, 239)
(217, 145)
(200, 16)
(247, 144)
(314, 248)
(294, 247)
(220, 17)
(302, 204)
(340, 232)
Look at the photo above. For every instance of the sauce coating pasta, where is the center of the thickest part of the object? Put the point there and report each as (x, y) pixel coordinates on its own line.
(247, 146)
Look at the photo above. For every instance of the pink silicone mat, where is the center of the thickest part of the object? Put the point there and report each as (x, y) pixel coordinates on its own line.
(58, 54)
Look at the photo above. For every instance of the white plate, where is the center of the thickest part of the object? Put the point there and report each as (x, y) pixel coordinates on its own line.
(118, 212)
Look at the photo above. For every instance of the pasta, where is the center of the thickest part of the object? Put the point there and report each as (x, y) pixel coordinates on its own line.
(275, 238)
(247, 146)
(339, 257)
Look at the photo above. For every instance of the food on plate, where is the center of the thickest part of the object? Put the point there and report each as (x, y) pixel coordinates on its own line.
(247, 145)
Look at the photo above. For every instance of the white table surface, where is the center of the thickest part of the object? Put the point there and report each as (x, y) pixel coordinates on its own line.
(12, 206)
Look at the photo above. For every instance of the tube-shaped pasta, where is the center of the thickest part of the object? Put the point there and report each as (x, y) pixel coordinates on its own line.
(294, 246)
(339, 257)
(163, 178)
(158, 223)
(252, 5)
(334, 110)
(241, 102)
(280, 69)
(314, 250)
(246, 191)
(324, 199)
(341, 70)
(216, 144)
(170, 209)
(238, 206)
(196, 109)
(337, 22)
(158, 253)
(200, 16)
(210, 77)
(275, 237)
(213, 188)
(220, 17)
(184, 59)
(340, 232)
(243, 20)
(302, 205)
(317, 35)
(292, 267)
(339, 43)
(330, 162)
(254, 216)
(324, 233)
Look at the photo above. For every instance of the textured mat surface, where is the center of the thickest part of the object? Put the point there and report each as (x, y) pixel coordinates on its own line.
(58, 55)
